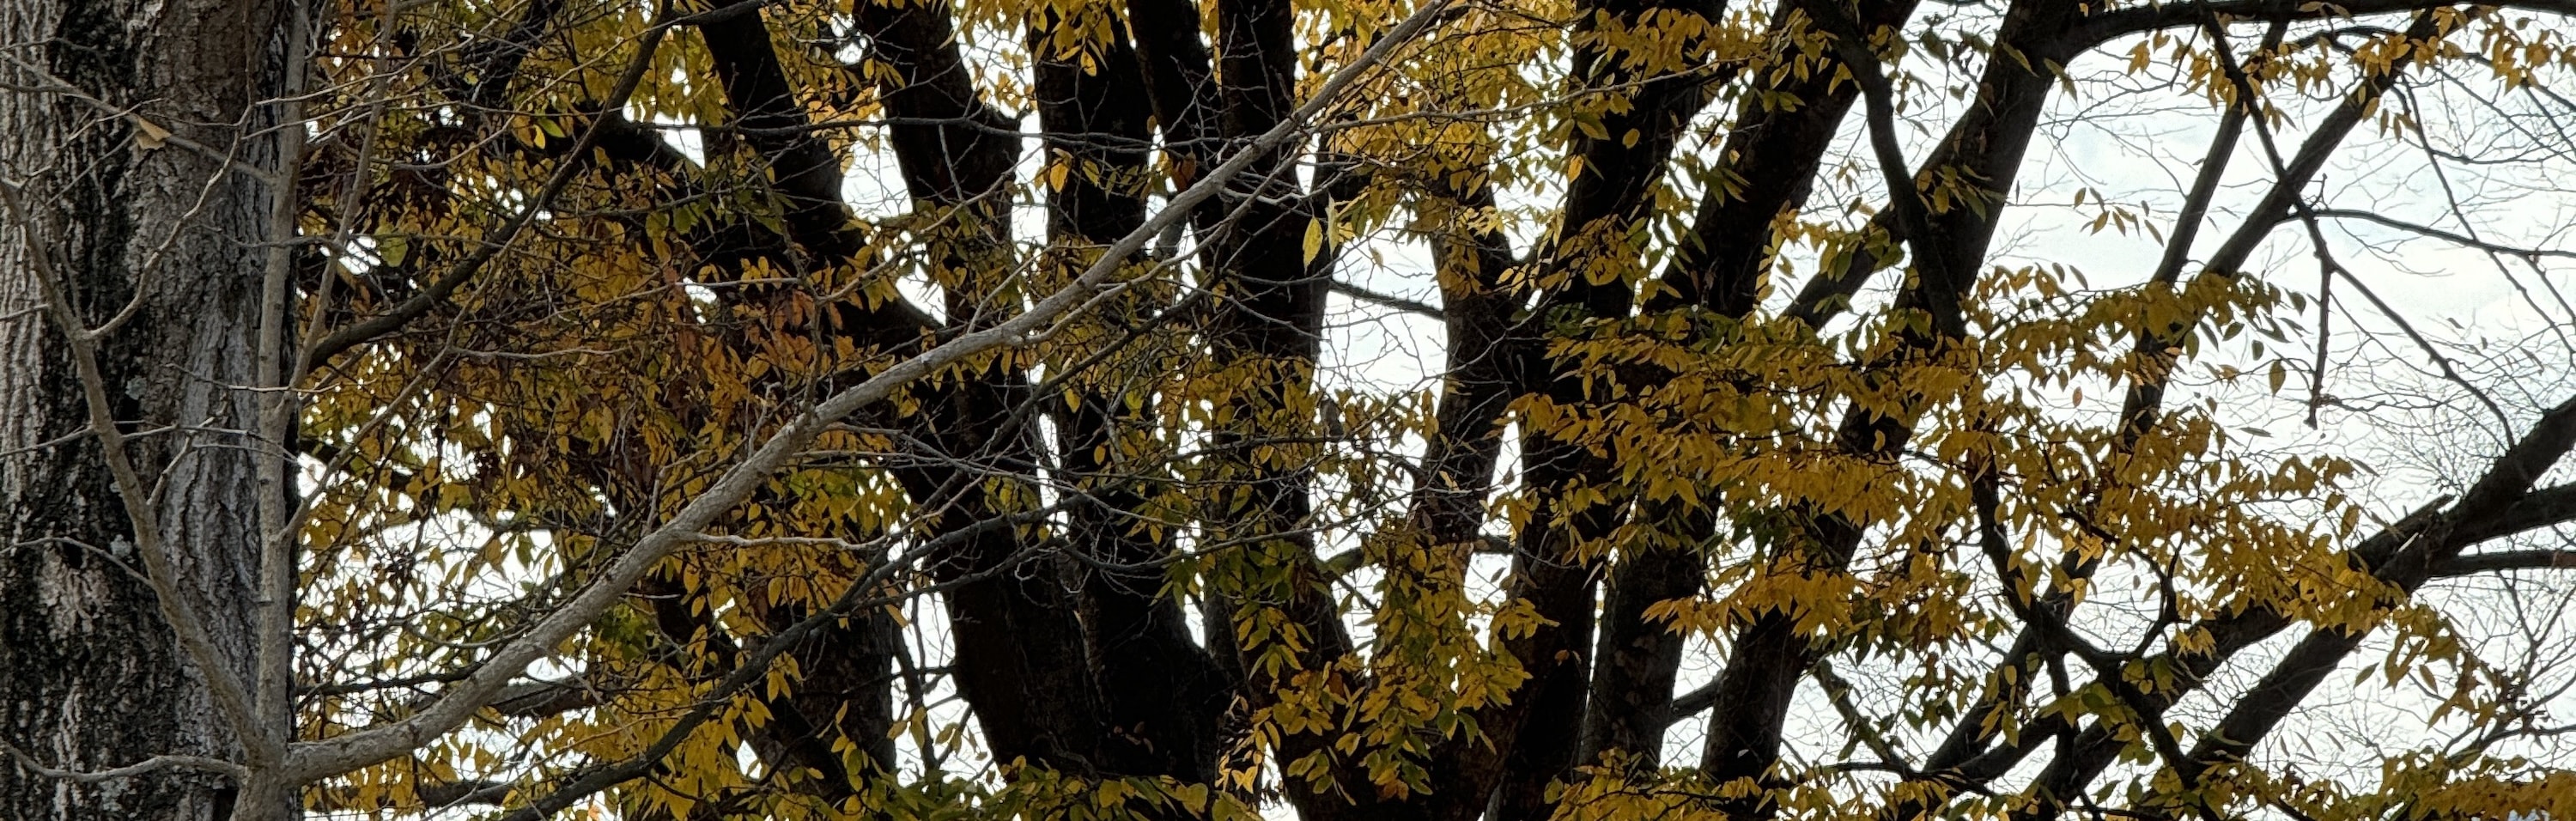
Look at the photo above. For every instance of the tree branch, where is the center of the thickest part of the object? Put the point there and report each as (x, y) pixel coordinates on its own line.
(2115, 23)
(318, 759)
(147, 766)
(493, 245)
(2506, 560)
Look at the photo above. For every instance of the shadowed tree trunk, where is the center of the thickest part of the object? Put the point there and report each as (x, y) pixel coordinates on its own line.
(116, 211)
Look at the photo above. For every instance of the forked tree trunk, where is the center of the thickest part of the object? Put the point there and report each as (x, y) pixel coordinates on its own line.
(91, 676)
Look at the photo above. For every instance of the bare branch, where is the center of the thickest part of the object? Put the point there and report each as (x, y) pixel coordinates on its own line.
(147, 766)
(1411, 306)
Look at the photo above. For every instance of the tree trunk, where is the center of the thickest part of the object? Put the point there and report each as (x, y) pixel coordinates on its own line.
(91, 675)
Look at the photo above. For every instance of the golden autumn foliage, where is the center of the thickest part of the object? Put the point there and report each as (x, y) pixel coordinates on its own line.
(1578, 409)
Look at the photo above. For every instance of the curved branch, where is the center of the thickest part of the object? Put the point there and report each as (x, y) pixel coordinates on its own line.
(2461, 240)
(149, 765)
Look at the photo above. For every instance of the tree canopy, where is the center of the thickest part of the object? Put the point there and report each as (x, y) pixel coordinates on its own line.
(1417, 409)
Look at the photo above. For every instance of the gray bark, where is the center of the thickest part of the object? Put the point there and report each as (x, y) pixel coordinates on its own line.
(91, 676)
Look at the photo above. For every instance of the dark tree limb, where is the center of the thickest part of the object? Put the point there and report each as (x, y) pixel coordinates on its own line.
(1640, 658)
(2114, 23)
(1986, 148)
(2506, 483)
(1769, 162)
(2402, 556)
(1162, 696)
(2508, 560)
(1022, 659)
(2139, 413)
(1583, 263)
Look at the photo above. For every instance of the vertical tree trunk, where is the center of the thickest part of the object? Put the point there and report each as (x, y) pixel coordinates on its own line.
(91, 676)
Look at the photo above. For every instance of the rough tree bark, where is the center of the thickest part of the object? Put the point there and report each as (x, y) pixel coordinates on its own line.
(118, 211)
